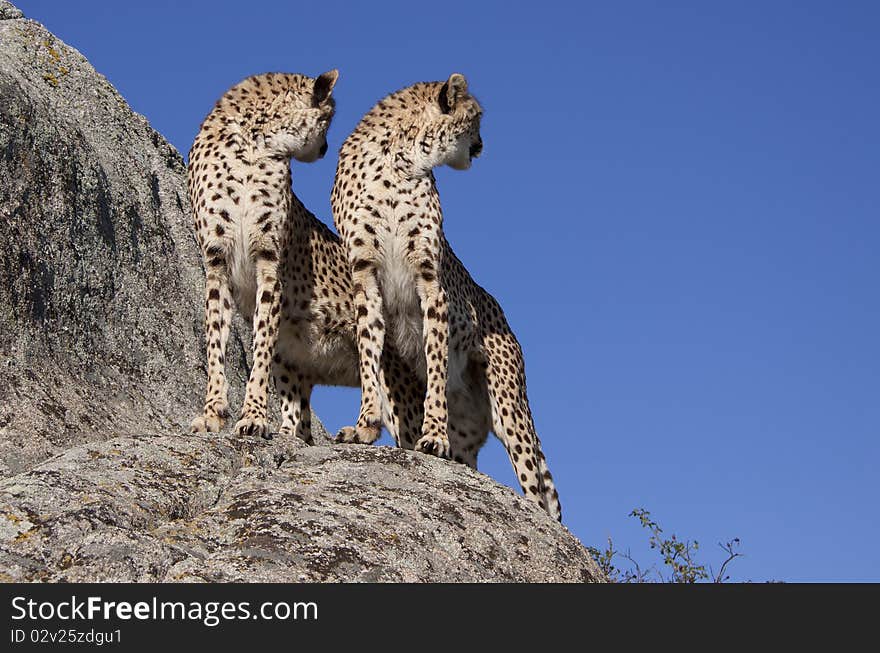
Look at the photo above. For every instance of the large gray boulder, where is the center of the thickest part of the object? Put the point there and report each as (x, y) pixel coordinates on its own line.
(100, 277)
(101, 369)
(203, 508)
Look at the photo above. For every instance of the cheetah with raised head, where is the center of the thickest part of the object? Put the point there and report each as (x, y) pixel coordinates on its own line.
(413, 296)
(239, 185)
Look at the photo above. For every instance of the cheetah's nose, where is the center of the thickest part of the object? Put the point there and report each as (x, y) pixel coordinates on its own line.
(476, 148)
(324, 148)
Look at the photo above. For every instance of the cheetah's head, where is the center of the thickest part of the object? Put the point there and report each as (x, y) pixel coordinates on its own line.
(457, 128)
(303, 117)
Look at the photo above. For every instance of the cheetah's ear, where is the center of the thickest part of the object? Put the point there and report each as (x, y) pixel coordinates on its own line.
(452, 91)
(324, 85)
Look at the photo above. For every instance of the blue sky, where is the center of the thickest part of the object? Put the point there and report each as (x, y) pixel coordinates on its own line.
(677, 206)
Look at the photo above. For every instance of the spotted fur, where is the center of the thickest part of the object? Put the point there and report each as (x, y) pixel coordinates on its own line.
(412, 296)
(244, 209)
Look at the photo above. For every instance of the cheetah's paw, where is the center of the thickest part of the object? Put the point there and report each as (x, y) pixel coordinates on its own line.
(212, 419)
(304, 434)
(358, 434)
(437, 445)
(210, 423)
(252, 426)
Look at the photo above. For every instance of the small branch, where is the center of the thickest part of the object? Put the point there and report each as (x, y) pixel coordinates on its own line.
(731, 556)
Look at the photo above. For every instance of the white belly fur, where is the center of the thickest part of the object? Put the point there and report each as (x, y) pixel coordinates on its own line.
(327, 361)
(242, 270)
(243, 279)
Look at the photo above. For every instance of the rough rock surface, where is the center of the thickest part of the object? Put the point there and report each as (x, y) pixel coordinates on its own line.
(100, 276)
(203, 508)
(101, 369)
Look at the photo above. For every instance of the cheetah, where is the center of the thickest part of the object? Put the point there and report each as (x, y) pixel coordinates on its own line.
(407, 281)
(316, 336)
(240, 189)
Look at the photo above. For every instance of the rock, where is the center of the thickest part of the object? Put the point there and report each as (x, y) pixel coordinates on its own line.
(102, 367)
(100, 276)
(7, 11)
(203, 508)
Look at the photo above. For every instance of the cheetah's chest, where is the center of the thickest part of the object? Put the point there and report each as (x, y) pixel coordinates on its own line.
(400, 300)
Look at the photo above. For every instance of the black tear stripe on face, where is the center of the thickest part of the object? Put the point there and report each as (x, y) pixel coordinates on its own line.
(443, 100)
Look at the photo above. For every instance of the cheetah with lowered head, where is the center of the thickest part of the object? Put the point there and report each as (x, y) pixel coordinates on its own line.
(239, 186)
(412, 295)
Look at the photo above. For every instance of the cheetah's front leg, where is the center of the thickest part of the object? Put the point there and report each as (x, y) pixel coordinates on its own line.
(218, 314)
(370, 339)
(435, 334)
(254, 411)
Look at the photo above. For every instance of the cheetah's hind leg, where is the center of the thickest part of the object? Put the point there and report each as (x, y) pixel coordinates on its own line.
(402, 398)
(358, 435)
(294, 392)
(401, 401)
(470, 415)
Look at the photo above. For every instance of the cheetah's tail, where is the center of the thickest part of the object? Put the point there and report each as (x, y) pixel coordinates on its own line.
(551, 496)
(512, 420)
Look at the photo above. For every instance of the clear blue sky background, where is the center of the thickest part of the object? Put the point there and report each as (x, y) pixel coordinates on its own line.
(677, 207)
